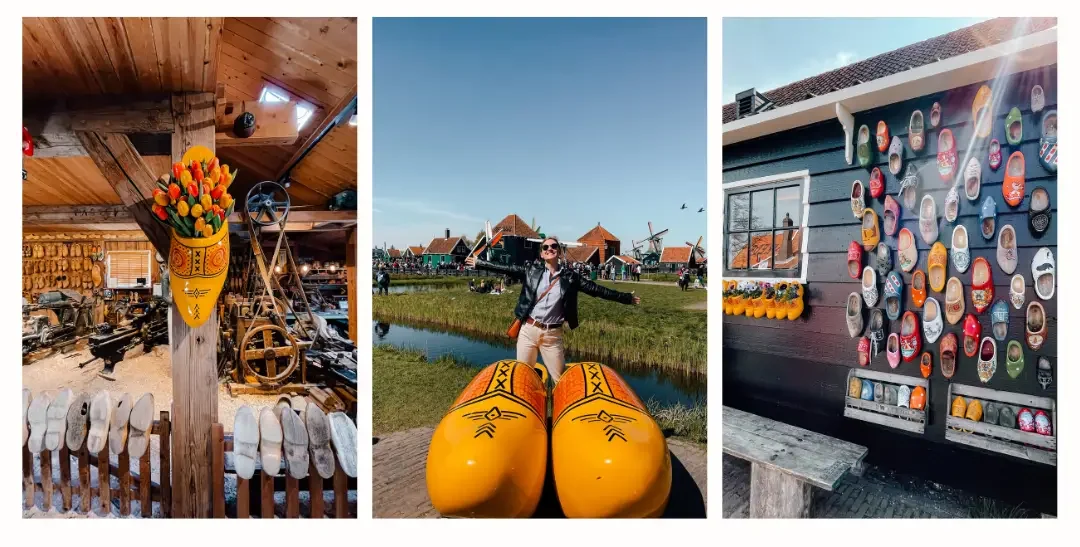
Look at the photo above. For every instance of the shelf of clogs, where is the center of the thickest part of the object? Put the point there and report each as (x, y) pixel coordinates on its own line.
(1005, 440)
(877, 412)
(763, 300)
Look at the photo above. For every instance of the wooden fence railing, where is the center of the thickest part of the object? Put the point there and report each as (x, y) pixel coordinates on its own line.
(139, 486)
(264, 488)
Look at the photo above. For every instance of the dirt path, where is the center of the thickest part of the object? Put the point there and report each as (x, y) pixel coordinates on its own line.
(399, 489)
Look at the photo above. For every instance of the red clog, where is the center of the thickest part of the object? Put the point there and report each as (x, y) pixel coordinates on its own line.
(877, 183)
(972, 334)
(854, 260)
(864, 351)
(910, 339)
(947, 349)
(982, 284)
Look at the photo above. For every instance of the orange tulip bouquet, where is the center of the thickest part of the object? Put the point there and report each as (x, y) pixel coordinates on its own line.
(194, 201)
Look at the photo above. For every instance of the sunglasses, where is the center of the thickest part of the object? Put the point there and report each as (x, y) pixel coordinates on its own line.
(549, 247)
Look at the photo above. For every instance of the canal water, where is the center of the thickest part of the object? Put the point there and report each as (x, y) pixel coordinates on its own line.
(648, 382)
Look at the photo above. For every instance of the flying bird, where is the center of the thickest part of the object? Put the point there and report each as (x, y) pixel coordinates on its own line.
(683, 206)
(702, 210)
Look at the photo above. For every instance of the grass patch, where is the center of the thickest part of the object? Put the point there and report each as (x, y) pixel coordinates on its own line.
(408, 391)
(426, 280)
(987, 508)
(690, 423)
(659, 332)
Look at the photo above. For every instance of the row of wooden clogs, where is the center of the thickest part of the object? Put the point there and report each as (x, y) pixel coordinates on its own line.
(84, 280)
(59, 250)
(59, 265)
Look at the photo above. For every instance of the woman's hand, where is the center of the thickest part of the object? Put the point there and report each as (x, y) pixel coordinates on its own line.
(637, 299)
(470, 262)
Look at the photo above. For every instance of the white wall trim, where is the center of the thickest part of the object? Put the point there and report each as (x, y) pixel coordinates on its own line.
(1018, 55)
(805, 176)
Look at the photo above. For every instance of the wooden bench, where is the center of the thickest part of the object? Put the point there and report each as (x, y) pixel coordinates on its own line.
(786, 462)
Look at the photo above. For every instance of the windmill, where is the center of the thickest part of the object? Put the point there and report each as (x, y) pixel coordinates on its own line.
(656, 246)
(533, 226)
(697, 252)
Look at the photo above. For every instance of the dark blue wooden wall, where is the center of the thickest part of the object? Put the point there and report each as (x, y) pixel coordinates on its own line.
(796, 370)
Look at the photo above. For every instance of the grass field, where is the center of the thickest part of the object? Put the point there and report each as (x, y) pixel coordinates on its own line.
(659, 332)
(425, 280)
(408, 391)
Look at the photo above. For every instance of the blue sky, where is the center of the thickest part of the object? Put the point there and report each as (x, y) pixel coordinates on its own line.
(570, 121)
(754, 57)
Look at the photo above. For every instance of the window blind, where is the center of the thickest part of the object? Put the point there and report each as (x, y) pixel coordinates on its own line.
(128, 269)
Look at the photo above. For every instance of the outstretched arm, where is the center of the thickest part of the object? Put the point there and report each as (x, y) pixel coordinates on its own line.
(600, 291)
(517, 272)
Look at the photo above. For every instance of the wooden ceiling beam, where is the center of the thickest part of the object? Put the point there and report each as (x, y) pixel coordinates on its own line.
(76, 214)
(120, 214)
(130, 177)
(53, 126)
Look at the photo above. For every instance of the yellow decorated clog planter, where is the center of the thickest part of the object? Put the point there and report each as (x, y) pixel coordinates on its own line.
(197, 269)
(609, 457)
(488, 455)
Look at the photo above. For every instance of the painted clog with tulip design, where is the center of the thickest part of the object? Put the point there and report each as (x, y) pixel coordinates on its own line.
(910, 337)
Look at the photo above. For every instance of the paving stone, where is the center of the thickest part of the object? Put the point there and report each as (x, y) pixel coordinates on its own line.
(877, 494)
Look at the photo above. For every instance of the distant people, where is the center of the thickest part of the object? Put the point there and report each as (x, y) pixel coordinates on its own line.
(549, 299)
(382, 280)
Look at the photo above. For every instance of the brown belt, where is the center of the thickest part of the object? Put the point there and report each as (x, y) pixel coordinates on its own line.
(532, 321)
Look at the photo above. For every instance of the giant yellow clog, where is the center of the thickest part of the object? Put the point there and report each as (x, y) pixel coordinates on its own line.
(488, 456)
(197, 269)
(609, 457)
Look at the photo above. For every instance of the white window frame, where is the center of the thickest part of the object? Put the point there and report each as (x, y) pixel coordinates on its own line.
(761, 181)
(108, 271)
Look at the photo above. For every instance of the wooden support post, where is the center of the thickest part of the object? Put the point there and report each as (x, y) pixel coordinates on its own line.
(350, 276)
(292, 497)
(218, 470)
(266, 492)
(165, 471)
(46, 479)
(775, 494)
(104, 481)
(85, 493)
(194, 350)
(65, 478)
(124, 471)
(28, 477)
(243, 498)
(146, 504)
(341, 493)
(315, 488)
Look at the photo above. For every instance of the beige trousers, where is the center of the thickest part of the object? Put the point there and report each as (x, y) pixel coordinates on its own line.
(549, 343)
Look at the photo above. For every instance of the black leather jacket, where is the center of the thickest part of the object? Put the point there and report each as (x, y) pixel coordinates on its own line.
(569, 281)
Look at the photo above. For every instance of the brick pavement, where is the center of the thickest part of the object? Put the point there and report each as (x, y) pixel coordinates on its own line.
(877, 494)
(399, 489)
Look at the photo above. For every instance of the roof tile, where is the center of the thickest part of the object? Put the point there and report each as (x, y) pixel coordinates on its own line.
(929, 51)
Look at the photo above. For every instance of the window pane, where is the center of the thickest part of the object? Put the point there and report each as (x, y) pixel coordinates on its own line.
(738, 211)
(787, 247)
(788, 206)
(761, 250)
(761, 216)
(736, 259)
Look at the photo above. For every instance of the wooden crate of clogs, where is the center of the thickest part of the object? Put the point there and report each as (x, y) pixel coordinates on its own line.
(889, 415)
(995, 438)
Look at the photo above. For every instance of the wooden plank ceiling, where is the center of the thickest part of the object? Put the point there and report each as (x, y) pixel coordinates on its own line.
(313, 59)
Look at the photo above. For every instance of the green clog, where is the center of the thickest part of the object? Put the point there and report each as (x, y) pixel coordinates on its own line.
(1014, 127)
(1014, 359)
(863, 149)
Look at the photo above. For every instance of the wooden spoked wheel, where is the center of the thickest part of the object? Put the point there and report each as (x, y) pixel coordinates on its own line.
(268, 349)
